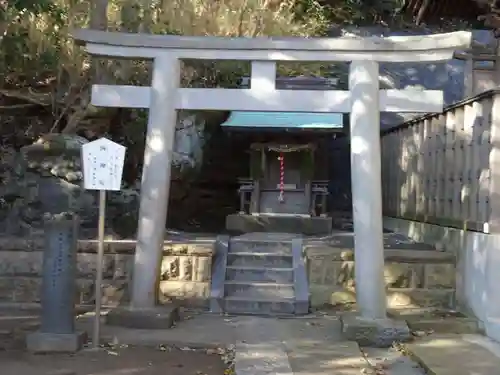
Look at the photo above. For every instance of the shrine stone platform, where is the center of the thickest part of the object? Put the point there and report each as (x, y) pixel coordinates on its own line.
(310, 226)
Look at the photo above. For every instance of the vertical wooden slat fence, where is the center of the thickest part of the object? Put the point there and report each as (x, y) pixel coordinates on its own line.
(443, 168)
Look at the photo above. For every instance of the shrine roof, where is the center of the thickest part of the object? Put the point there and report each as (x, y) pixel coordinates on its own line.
(285, 120)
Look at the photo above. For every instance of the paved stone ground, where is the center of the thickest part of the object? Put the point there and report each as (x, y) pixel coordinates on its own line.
(391, 362)
(309, 345)
(208, 330)
(457, 355)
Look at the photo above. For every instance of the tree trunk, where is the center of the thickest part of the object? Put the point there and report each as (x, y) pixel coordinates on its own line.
(147, 17)
(98, 68)
(99, 21)
(4, 18)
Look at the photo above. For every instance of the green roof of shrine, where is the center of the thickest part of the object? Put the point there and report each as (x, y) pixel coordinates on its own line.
(294, 120)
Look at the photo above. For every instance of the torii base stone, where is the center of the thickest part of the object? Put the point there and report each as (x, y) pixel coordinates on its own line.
(379, 333)
(159, 317)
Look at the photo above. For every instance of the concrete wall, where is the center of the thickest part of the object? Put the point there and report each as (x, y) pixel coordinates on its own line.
(185, 271)
(478, 266)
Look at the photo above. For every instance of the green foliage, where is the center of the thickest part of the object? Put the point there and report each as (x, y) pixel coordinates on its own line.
(16, 9)
(20, 57)
(311, 9)
(30, 5)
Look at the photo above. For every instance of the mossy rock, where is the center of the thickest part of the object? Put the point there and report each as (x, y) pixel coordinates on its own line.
(55, 144)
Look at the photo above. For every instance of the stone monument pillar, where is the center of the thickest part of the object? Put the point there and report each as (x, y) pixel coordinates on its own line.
(57, 331)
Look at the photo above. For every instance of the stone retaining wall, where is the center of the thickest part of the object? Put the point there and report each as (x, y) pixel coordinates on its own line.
(478, 262)
(185, 271)
(414, 278)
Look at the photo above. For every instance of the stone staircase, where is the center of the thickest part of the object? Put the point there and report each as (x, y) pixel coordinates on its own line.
(264, 275)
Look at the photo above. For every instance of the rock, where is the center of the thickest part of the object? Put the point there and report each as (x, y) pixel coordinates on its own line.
(46, 177)
(56, 144)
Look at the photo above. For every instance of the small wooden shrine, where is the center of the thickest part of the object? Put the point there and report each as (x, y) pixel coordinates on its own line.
(287, 185)
(282, 182)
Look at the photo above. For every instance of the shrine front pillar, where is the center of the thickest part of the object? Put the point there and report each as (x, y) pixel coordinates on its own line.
(367, 189)
(155, 181)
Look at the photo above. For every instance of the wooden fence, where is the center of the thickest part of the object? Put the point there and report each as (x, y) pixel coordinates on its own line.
(445, 168)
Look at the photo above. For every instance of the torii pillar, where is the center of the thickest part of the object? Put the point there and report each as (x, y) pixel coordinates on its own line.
(366, 185)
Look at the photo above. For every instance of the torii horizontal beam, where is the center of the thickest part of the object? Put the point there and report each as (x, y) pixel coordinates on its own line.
(331, 101)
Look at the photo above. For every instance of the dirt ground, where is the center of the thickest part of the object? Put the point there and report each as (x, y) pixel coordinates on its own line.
(112, 359)
(115, 361)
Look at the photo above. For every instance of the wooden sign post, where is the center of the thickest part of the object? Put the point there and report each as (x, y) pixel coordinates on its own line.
(102, 170)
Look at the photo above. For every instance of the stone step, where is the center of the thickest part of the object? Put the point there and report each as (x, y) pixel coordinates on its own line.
(259, 306)
(436, 320)
(258, 290)
(252, 259)
(259, 274)
(261, 357)
(267, 236)
(455, 355)
(256, 246)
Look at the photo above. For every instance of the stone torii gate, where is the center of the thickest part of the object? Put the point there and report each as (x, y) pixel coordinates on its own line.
(364, 101)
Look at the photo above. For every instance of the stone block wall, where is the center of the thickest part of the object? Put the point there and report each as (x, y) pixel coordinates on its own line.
(185, 271)
(414, 278)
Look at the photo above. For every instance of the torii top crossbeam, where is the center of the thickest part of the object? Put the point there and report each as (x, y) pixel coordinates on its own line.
(263, 54)
(392, 49)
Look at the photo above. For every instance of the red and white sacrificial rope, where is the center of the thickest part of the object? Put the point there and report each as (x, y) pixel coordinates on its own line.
(281, 197)
(282, 150)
